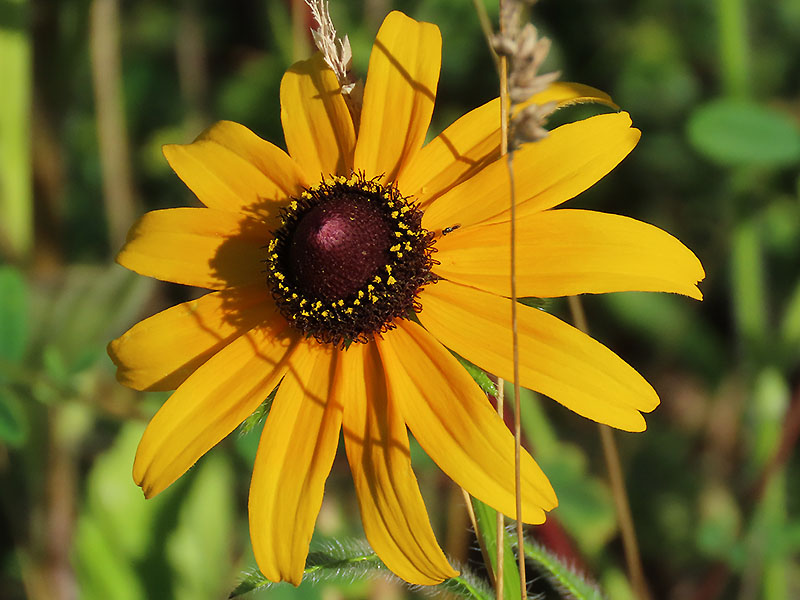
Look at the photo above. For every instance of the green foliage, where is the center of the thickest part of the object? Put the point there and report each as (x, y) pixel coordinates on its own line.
(713, 88)
(14, 318)
(479, 375)
(344, 561)
(585, 506)
(14, 337)
(741, 133)
(566, 580)
(16, 193)
(13, 423)
(259, 415)
(486, 518)
(336, 561)
(175, 546)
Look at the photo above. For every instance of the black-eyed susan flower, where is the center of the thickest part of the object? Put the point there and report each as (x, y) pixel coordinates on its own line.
(332, 278)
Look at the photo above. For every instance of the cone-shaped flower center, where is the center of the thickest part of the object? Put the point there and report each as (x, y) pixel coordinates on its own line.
(349, 259)
(338, 247)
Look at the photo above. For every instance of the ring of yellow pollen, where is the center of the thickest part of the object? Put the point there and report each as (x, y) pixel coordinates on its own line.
(348, 259)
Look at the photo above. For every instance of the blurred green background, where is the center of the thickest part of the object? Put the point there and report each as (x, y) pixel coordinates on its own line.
(89, 90)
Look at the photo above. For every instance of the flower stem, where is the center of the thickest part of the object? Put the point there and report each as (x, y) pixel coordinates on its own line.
(733, 46)
(479, 537)
(614, 466)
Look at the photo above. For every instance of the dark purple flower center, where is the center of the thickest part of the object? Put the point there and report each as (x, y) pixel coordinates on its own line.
(338, 247)
(348, 260)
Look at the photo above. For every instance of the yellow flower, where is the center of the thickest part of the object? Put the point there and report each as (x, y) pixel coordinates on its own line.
(325, 282)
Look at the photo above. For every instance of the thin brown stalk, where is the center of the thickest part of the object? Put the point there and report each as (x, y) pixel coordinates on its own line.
(190, 52)
(611, 455)
(504, 118)
(112, 131)
(515, 346)
(500, 534)
(486, 27)
(478, 536)
(504, 105)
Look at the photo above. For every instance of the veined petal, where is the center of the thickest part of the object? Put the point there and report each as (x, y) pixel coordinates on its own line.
(473, 141)
(230, 168)
(398, 96)
(317, 125)
(203, 247)
(160, 352)
(453, 421)
(567, 252)
(211, 403)
(392, 510)
(555, 358)
(565, 93)
(546, 173)
(278, 166)
(293, 461)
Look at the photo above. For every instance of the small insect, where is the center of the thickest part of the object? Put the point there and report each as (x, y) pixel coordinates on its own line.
(450, 229)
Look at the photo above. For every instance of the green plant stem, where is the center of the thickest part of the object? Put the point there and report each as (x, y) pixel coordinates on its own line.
(16, 197)
(500, 531)
(733, 46)
(479, 536)
(617, 480)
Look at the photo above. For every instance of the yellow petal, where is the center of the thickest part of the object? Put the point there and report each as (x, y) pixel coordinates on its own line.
(211, 403)
(453, 421)
(266, 157)
(228, 167)
(392, 510)
(398, 96)
(555, 358)
(546, 173)
(565, 93)
(197, 246)
(316, 122)
(473, 141)
(159, 353)
(294, 458)
(567, 252)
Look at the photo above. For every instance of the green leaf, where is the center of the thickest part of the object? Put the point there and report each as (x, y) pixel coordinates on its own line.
(479, 375)
(586, 508)
(14, 317)
(735, 132)
(486, 517)
(115, 528)
(16, 197)
(790, 324)
(332, 561)
(259, 414)
(343, 561)
(13, 423)
(92, 305)
(200, 548)
(569, 583)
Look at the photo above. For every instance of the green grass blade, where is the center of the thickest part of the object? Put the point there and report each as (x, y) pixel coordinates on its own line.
(486, 517)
